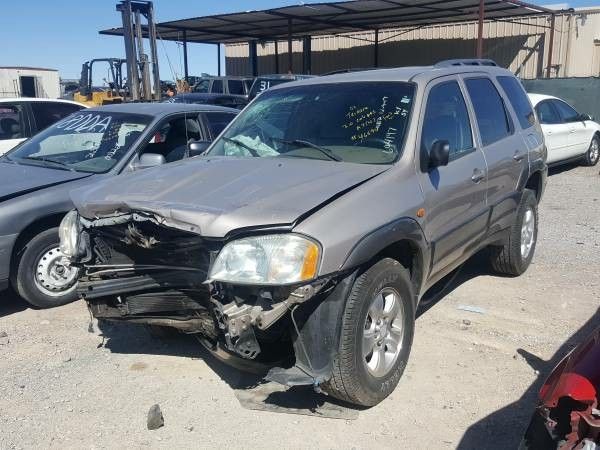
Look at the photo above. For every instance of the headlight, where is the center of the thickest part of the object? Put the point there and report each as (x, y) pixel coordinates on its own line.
(68, 231)
(271, 259)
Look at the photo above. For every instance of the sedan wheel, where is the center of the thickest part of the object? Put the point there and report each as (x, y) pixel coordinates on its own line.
(593, 154)
(54, 277)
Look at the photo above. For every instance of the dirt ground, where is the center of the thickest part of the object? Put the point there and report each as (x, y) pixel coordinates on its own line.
(471, 380)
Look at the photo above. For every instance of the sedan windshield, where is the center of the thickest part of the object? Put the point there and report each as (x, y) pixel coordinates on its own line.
(352, 122)
(90, 141)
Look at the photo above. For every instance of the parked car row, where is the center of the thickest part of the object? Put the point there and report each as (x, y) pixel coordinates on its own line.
(302, 239)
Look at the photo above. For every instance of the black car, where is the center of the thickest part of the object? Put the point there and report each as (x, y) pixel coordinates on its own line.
(84, 147)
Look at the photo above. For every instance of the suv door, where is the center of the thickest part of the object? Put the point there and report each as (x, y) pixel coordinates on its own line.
(14, 125)
(456, 212)
(504, 149)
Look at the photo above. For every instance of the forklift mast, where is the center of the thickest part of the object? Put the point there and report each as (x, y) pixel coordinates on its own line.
(139, 83)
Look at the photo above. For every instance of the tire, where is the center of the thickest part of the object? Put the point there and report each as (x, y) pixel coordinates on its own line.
(41, 289)
(353, 380)
(592, 156)
(513, 258)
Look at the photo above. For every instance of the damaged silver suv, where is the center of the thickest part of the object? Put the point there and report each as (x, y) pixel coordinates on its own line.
(304, 239)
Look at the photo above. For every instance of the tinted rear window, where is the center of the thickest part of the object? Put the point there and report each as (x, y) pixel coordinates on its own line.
(519, 101)
(492, 118)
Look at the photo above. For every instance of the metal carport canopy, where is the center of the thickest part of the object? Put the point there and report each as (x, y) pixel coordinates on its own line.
(333, 18)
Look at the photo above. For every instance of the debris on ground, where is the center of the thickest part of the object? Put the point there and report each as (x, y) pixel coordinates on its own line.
(4, 338)
(473, 309)
(155, 418)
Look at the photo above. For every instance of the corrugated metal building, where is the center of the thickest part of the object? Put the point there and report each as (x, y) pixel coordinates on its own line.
(519, 44)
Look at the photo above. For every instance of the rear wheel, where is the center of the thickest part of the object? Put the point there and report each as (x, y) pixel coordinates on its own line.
(593, 154)
(376, 336)
(514, 257)
(42, 276)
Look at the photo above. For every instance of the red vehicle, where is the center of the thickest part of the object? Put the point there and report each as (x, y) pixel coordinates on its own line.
(568, 416)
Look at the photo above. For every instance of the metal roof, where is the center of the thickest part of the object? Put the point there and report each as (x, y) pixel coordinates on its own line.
(333, 18)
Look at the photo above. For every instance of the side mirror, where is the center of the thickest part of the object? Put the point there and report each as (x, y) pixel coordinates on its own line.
(439, 154)
(198, 147)
(584, 117)
(148, 160)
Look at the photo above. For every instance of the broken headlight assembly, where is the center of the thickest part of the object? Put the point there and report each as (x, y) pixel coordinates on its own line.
(267, 260)
(69, 232)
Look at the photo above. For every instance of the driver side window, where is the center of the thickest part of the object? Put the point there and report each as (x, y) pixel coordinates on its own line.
(447, 119)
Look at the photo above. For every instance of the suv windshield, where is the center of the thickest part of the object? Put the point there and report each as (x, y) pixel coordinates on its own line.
(361, 122)
(85, 141)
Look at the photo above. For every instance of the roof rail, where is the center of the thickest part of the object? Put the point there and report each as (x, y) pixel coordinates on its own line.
(466, 62)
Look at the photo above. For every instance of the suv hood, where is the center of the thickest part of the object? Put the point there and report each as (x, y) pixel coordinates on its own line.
(20, 179)
(214, 196)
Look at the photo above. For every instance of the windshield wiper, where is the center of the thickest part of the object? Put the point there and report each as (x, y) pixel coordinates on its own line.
(301, 142)
(51, 161)
(252, 151)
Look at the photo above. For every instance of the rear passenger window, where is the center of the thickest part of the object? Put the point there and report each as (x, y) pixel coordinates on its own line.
(447, 119)
(492, 118)
(217, 87)
(547, 113)
(519, 101)
(236, 87)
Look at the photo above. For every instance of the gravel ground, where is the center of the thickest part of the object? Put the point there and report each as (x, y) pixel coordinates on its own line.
(471, 381)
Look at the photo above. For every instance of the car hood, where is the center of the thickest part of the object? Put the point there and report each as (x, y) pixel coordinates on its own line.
(20, 179)
(215, 196)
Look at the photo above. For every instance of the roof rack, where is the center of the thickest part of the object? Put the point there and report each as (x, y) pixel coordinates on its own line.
(466, 62)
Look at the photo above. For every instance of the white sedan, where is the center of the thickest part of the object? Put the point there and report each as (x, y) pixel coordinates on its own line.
(21, 118)
(570, 136)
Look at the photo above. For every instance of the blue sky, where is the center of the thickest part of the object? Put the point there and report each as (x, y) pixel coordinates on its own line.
(62, 34)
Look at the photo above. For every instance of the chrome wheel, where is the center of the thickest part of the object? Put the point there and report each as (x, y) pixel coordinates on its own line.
(594, 152)
(383, 332)
(527, 233)
(54, 276)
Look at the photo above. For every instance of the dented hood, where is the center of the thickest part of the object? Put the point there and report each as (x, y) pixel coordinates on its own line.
(214, 196)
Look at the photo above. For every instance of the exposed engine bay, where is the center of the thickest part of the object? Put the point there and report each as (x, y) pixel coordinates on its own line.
(136, 269)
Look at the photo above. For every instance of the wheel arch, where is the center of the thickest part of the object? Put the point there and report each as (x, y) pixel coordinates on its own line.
(402, 240)
(37, 226)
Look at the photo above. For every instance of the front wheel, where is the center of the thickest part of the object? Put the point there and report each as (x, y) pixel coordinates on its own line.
(42, 276)
(376, 336)
(592, 156)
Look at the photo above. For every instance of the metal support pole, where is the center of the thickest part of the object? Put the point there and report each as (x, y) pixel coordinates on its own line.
(376, 50)
(481, 16)
(551, 45)
(307, 55)
(133, 83)
(142, 58)
(185, 57)
(253, 58)
(219, 59)
(290, 55)
(276, 57)
(153, 50)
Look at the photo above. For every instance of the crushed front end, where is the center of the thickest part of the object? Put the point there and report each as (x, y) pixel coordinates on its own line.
(136, 268)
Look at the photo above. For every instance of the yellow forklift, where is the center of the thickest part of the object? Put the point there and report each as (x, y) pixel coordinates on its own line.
(115, 92)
